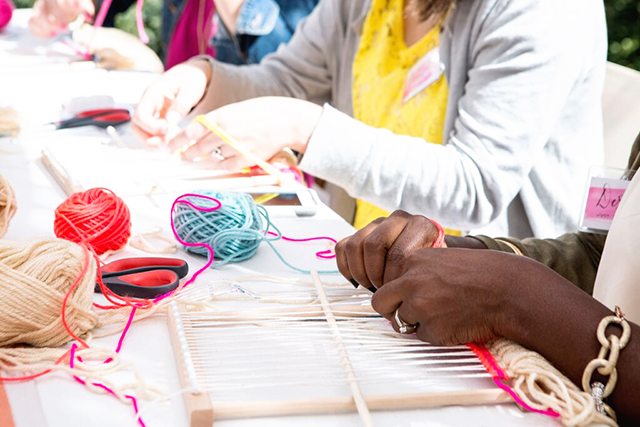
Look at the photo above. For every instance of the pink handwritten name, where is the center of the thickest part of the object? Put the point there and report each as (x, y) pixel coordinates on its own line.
(603, 202)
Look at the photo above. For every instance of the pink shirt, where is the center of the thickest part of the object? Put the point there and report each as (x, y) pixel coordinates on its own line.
(192, 32)
(6, 11)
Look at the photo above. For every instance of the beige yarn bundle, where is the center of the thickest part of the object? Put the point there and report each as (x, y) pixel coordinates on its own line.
(9, 122)
(542, 386)
(8, 205)
(34, 279)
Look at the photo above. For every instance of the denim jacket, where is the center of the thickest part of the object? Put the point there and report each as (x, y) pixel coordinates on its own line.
(261, 27)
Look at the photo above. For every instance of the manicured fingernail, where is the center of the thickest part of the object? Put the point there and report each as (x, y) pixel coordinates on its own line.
(372, 289)
(354, 283)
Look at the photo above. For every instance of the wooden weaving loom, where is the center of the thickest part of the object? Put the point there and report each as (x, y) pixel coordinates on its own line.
(314, 350)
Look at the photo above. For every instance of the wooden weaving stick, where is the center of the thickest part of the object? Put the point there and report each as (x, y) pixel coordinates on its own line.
(59, 173)
(358, 399)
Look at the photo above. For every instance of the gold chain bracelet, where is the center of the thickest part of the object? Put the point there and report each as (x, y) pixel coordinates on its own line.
(516, 250)
(606, 361)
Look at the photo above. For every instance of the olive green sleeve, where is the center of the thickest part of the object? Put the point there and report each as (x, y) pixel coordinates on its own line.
(575, 256)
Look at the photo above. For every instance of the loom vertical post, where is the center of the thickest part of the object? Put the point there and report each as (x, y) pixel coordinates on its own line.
(197, 401)
(358, 397)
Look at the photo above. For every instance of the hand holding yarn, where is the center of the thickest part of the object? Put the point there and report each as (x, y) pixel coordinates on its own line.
(169, 99)
(376, 254)
(443, 292)
(50, 17)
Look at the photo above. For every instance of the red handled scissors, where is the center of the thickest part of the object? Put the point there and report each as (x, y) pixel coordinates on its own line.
(143, 277)
(102, 118)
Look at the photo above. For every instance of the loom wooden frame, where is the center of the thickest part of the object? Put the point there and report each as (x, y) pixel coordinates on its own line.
(203, 411)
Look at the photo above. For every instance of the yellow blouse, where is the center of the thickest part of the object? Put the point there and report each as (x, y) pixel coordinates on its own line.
(381, 69)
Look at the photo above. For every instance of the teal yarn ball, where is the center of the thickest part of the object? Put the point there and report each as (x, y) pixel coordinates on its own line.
(234, 231)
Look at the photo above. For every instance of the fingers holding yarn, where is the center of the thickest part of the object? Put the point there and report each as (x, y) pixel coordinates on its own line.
(8, 205)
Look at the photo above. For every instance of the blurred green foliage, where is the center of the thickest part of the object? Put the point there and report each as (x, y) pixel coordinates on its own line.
(22, 3)
(623, 18)
(152, 16)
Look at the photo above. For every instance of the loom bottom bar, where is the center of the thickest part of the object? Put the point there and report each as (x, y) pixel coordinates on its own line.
(235, 410)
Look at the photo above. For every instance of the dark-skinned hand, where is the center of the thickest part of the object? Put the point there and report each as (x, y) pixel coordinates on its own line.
(456, 296)
(377, 253)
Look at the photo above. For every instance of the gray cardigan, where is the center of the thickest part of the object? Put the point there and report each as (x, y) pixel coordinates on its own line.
(523, 118)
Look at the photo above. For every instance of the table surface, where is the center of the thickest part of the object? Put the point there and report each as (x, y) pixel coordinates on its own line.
(37, 80)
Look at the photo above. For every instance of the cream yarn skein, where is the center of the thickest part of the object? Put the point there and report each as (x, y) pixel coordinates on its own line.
(8, 205)
(34, 279)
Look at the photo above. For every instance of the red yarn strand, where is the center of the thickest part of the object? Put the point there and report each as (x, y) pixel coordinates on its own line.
(83, 273)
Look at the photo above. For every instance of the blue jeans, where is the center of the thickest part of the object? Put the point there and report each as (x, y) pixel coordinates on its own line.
(171, 9)
(261, 27)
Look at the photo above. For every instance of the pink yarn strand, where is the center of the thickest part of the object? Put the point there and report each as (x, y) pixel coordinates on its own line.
(134, 403)
(183, 200)
(102, 14)
(499, 376)
(325, 254)
(104, 9)
(108, 390)
(126, 329)
(547, 412)
(144, 38)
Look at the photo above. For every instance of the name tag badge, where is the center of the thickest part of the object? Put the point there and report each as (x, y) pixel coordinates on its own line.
(604, 193)
(423, 74)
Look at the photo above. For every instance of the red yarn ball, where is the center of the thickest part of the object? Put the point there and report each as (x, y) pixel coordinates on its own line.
(96, 217)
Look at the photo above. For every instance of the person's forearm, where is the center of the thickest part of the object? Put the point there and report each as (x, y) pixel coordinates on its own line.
(560, 323)
(403, 172)
(575, 256)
